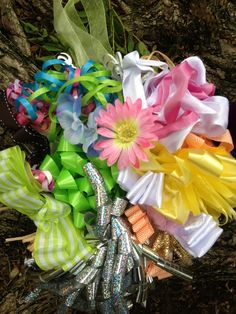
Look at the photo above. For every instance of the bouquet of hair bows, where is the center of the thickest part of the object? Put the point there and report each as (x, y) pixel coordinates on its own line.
(122, 162)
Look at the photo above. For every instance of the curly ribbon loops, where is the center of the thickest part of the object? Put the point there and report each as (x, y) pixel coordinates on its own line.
(58, 243)
(37, 102)
(71, 184)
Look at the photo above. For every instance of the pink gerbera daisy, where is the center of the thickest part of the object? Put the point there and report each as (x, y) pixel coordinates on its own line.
(128, 130)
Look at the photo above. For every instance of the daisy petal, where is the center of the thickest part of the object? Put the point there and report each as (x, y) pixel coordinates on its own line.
(139, 153)
(143, 142)
(123, 160)
(106, 132)
(132, 157)
(113, 157)
(102, 144)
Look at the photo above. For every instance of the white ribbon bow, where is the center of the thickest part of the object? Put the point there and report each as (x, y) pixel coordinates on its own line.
(146, 189)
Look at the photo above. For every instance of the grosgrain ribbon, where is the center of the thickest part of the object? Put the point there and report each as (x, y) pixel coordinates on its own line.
(58, 243)
(71, 184)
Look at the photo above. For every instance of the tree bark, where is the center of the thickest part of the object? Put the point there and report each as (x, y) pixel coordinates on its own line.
(179, 28)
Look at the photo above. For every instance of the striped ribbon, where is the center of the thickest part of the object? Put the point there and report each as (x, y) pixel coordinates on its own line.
(58, 243)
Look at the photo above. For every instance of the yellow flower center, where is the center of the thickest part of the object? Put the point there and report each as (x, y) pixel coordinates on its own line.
(126, 131)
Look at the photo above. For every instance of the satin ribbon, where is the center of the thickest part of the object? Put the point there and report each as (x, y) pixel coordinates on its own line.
(146, 189)
(71, 184)
(58, 244)
(195, 141)
(135, 72)
(197, 235)
(196, 181)
(184, 102)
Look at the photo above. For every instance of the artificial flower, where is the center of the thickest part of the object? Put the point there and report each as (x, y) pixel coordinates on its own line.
(68, 113)
(127, 130)
(75, 132)
(90, 131)
(184, 102)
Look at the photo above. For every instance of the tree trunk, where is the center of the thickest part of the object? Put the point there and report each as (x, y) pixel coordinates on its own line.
(179, 28)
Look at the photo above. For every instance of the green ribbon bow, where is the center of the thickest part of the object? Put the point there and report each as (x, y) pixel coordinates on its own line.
(72, 185)
(58, 243)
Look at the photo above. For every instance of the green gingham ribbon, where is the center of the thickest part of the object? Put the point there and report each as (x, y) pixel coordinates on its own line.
(58, 243)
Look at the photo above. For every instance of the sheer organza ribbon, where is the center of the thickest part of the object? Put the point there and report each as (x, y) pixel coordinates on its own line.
(196, 180)
(58, 243)
(71, 184)
(83, 45)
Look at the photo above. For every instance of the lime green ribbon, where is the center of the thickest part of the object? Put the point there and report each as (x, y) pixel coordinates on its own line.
(84, 41)
(58, 243)
(72, 185)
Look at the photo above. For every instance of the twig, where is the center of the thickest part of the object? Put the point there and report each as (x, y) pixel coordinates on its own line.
(24, 239)
(4, 208)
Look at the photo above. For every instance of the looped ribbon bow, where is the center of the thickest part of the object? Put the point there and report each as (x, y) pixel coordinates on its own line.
(71, 184)
(134, 71)
(197, 235)
(74, 34)
(196, 180)
(58, 243)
